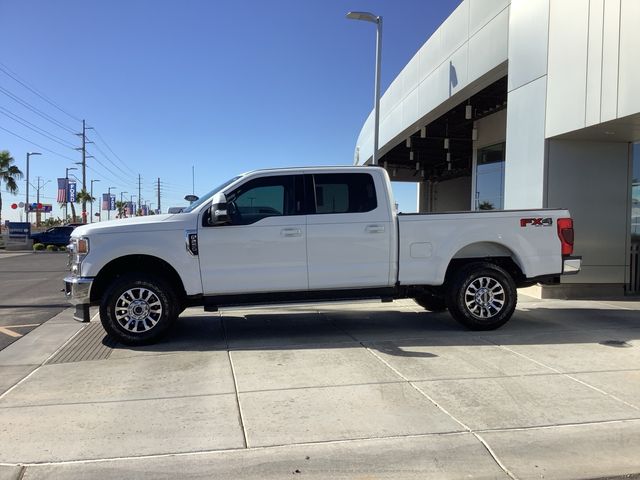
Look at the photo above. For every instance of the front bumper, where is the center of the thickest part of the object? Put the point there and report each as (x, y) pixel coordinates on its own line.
(571, 265)
(77, 290)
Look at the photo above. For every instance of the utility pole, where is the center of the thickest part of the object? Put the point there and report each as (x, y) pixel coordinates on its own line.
(83, 149)
(159, 207)
(38, 213)
(139, 190)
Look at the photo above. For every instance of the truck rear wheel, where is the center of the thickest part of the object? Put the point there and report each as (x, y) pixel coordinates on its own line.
(137, 309)
(482, 296)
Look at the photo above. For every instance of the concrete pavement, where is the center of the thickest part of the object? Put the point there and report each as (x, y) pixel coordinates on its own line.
(364, 390)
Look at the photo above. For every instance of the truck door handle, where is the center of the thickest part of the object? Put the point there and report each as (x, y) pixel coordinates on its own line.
(291, 232)
(374, 229)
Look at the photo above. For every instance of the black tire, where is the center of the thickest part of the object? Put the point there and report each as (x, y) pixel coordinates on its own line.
(138, 309)
(481, 296)
(433, 303)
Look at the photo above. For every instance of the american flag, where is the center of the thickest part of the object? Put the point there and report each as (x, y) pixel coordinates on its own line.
(62, 190)
(105, 201)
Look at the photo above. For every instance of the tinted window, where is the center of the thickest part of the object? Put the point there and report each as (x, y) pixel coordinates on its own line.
(344, 193)
(261, 198)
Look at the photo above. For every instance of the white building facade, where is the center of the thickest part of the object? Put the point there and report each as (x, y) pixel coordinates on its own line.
(527, 104)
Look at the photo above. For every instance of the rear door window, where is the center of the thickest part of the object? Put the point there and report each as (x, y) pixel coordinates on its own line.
(344, 193)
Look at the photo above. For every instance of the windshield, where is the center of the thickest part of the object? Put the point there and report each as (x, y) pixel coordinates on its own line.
(208, 196)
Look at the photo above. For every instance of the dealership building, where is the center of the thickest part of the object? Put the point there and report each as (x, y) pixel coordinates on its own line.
(527, 104)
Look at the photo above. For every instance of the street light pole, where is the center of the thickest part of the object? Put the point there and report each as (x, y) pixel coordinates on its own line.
(133, 210)
(121, 194)
(66, 191)
(92, 180)
(27, 199)
(109, 205)
(370, 17)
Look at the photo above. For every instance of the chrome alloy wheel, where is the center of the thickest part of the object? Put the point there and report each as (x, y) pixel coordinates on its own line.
(484, 297)
(138, 310)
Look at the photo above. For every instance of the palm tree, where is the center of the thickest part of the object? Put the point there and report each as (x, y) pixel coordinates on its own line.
(84, 197)
(8, 175)
(120, 206)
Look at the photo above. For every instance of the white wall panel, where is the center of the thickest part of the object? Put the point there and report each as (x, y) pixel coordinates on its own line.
(489, 47)
(566, 87)
(455, 31)
(430, 56)
(610, 44)
(409, 74)
(525, 150)
(391, 125)
(594, 62)
(434, 89)
(457, 65)
(528, 41)
(481, 11)
(410, 108)
(628, 96)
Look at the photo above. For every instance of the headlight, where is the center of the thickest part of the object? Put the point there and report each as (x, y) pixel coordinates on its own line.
(82, 246)
(79, 248)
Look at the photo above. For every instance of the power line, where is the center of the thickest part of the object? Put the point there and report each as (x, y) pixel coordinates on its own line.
(123, 178)
(37, 145)
(15, 77)
(108, 158)
(111, 150)
(35, 128)
(35, 110)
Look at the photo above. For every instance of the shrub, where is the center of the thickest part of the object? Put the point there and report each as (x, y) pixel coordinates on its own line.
(38, 247)
(62, 249)
(52, 248)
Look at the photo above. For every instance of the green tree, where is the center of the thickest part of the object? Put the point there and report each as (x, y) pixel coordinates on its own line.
(84, 197)
(120, 206)
(9, 173)
(486, 206)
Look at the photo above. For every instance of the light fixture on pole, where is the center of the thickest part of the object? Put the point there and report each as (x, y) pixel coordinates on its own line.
(26, 206)
(92, 180)
(370, 17)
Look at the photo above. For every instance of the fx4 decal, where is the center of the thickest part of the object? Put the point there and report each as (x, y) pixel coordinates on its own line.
(536, 222)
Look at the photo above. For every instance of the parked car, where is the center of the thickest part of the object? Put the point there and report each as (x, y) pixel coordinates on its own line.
(58, 236)
(311, 234)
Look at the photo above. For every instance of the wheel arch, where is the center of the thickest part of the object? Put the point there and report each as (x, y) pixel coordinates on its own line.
(147, 264)
(490, 252)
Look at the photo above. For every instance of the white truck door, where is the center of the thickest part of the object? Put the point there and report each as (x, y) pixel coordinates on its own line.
(349, 231)
(263, 248)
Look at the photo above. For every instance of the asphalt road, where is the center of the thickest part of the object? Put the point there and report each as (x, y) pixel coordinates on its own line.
(30, 293)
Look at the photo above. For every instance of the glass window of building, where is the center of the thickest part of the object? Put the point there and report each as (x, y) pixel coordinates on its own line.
(489, 188)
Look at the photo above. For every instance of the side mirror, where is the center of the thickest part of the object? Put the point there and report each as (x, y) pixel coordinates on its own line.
(219, 214)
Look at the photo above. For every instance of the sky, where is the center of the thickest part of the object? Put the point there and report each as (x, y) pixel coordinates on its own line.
(196, 91)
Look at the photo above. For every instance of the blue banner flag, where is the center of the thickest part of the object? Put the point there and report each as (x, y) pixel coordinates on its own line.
(112, 202)
(71, 192)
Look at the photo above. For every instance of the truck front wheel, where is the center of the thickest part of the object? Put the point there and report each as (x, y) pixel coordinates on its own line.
(481, 296)
(137, 309)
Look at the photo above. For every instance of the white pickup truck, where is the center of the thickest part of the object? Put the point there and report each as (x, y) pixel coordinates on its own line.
(311, 234)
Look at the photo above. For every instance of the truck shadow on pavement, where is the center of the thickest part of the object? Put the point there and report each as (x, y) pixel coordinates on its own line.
(396, 332)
